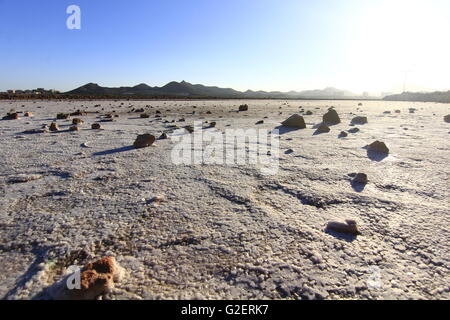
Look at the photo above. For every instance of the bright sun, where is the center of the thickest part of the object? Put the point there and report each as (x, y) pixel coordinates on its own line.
(395, 37)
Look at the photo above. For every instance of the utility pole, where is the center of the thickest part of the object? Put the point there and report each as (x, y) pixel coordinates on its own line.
(406, 79)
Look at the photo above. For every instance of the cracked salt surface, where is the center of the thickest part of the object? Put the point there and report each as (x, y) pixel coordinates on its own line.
(228, 232)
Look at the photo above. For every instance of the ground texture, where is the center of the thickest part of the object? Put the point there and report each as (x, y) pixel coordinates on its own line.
(228, 231)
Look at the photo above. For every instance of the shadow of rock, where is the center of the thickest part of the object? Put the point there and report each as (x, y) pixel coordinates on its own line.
(112, 151)
(358, 187)
(341, 236)
(376, 156)
(284, 130)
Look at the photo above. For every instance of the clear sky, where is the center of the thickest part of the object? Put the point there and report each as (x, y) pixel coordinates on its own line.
(357, 45)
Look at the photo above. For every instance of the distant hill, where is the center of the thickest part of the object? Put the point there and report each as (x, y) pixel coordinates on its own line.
(438, 96)
(188, 90)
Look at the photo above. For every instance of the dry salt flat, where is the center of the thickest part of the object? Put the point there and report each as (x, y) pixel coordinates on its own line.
(200, 231)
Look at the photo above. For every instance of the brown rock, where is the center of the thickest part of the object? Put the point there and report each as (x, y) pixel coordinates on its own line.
(77, 121)
(74, 128)
(28, 114)
(96, 278)
(96, 126)
(323, 128)
(145, 116)
(295, 121)
(12, 116)
(331, 117)
(62, 116)
(361, 178)
(379, 147)
(359, 120)
(54, 127)
(447, 118)
(349, 227)
(243, 107)
(144, 140)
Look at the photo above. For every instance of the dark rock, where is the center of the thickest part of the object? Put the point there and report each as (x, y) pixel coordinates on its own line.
(379, 147)
(343, 134)
(96, 126)
(295, 121)
(323, 128)
(77, 121)
(62, 116)
(447, 118)
(260, 122)
(353, 130)
(349, 227)
(243, 107)
(144, 140)
(54, 127)
(360, 178)
(359, 120)
(331, 117)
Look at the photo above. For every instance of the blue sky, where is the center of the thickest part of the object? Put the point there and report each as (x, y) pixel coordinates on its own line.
(284, 45)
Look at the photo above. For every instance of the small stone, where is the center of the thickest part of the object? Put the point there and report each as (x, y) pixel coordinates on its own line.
(54, 127)
(331, 117)
(96, 126)
(243, 107)
(447, 118)
(353, 130)
(397, 111)
(163, 136)
(259, 122)
(379, 147)
(349, 227)
(28, 114)
(323, 128)
(309, 113)
(96, 279)
(62, 116)
(189, 129)
(74, 128)
(12, 116)
(343, 134)
(77, 121)
(359, 120)
(144, 116)
(295, 121)
(360, 178)
(144, 140)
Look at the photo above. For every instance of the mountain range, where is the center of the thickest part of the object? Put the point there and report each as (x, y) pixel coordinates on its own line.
(185, 89)
(437, 96)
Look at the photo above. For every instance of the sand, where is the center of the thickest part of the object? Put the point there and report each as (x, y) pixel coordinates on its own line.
(221, 231)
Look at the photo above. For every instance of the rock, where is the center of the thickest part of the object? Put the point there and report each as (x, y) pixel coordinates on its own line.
(208, 112)
(259, 122)
(28, 114)
(243, 107)
(353, 130)
(77, 121)
(144, 140)
(144, 116)
(397, 111)
(190, 129)
(343, 134)
(212, 124)
(331, 117)
(360, 178)
(412, 110)
(96, 279)
(359, 120)
(12, 116)
(379, 147)
(323, 128)
(387, 112)
(295, 121)
(349, 227)
(62, 116)
(360, 104)
(35, 131)
(447, 118)
(96, 126)
(74, 128)
(54, 127)
(23, 178)
(309, 113)
(163, 136)
(78, 113)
